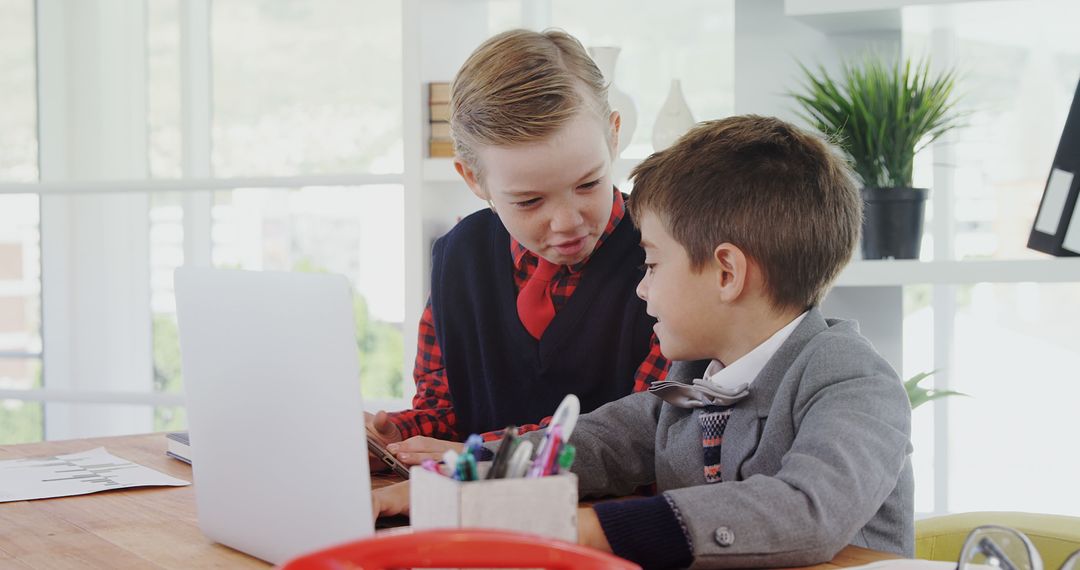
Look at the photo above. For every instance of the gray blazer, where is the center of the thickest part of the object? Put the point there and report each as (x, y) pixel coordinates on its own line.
(814, 459)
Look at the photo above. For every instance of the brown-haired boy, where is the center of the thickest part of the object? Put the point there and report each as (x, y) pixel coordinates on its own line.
(788, 438)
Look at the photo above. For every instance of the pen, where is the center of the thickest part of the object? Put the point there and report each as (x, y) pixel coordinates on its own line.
(566, 457)
(551, 465)
(502, 458)
(545, 457)
(430, 465)
(566, 416)
(461, 469)
(473, 444)
(519, 461)
(466, 468)
(471, 472)
(450, 459)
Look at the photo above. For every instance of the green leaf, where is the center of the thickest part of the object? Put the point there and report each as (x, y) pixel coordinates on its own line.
(918, 395)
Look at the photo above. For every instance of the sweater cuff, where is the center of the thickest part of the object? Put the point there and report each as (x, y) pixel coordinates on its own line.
(405, 426)
(647, 531)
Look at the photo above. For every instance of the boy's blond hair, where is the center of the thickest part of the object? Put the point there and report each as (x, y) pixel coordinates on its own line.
(519, 87)
(784, 196)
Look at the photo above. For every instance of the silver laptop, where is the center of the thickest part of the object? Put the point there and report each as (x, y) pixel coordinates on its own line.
(274, 410)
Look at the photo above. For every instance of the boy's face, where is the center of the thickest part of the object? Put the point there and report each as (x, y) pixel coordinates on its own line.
(553, 196)
(682, 300)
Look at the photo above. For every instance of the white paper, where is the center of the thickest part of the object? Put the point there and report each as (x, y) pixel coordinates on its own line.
(1057, 191)
(907, 564)
(75, 474)
(916, 564)
(1072, 234)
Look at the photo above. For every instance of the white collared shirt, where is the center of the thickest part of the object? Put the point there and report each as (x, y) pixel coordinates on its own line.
(744, 370)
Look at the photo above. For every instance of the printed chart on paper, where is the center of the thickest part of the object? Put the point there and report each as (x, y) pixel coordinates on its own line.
(75, 474)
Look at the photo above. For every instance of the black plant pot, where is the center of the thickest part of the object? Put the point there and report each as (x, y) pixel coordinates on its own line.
(893, 222)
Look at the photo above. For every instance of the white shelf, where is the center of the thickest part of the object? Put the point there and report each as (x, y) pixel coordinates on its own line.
(842, 16)
(824, 7)
(893, 273)
(442, 169)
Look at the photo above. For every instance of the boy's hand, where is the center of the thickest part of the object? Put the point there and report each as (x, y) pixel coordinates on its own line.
(416, 449)
(391, 500)
(380, 424)
(590, 533)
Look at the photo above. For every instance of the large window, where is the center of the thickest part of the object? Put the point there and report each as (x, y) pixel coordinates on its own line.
(230, 95)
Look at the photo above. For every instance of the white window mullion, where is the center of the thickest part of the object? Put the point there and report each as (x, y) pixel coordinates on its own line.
(195, 104)
(52, 95)
(57, 396)
(943, 54)
(416, 246)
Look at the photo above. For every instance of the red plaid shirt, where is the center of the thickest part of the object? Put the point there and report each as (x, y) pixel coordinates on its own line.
(433, 409)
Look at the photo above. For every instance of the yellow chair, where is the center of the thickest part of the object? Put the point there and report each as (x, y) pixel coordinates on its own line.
(1054, 536)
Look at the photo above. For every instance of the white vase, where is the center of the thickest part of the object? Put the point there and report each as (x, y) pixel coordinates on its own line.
(674, 119)
(605, 57)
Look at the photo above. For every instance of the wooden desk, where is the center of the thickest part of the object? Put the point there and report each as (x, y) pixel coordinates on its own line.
(149, 527)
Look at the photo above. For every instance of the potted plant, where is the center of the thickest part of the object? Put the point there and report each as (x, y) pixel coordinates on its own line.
(882, 114)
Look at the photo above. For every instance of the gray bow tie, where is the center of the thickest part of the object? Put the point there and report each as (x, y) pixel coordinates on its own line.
(699, 394)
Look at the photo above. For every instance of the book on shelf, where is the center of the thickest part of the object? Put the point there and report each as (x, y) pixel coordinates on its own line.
(440, 145)
(440, 130)
(179, 446)
(439, 92)
(439, 112)
(441, 148)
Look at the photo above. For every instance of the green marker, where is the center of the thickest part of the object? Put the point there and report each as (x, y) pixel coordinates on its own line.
(566, 457)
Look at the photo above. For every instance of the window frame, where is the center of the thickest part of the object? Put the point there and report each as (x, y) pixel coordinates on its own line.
(196, 184)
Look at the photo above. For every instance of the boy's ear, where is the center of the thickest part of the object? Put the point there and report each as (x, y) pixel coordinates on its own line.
(614, 126)
(730, 264)
(469, 176)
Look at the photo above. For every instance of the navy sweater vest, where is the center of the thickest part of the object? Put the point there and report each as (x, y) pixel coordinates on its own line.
(500, 375)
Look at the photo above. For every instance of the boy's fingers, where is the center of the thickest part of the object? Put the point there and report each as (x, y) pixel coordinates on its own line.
(392, 500)
(416, 444)
(380, 422)
(376, 510)
(417, 458)
(415, 450)
(423, 444)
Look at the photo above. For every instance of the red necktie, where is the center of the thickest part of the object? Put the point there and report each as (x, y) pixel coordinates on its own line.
(534, 305)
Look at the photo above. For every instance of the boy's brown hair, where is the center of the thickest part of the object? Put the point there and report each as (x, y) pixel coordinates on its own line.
(784, 196)
(521, 86)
